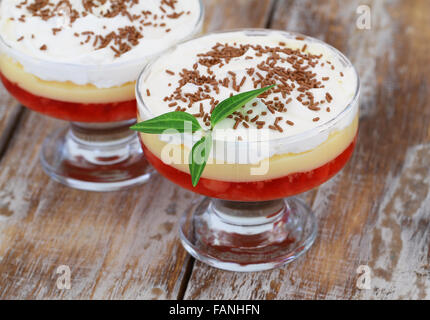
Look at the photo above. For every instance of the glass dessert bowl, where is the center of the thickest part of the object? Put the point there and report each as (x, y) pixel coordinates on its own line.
(287, 140)
(79, 61)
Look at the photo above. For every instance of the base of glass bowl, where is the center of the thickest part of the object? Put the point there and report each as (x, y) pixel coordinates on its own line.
(96, 157)
(248, 236)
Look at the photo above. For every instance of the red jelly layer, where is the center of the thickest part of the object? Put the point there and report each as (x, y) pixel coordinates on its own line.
(283, 187)
(72, 111)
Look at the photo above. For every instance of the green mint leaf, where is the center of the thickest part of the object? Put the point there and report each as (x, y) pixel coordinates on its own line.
(230, 105)
(199, 157)
(171, 120)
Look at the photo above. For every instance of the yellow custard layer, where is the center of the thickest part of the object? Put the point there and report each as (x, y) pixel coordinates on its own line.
(63, 91)
(277, 166)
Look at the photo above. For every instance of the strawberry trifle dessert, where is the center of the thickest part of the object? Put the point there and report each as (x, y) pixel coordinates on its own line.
(288, 140)
(78, 60)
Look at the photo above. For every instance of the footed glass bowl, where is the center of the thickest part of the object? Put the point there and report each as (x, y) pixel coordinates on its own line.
(97, 151)
(251, 220)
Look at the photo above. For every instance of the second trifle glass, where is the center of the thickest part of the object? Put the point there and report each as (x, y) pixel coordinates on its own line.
(288, 140)
(78, 61)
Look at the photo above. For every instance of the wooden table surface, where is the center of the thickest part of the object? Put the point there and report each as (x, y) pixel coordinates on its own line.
(376, 212)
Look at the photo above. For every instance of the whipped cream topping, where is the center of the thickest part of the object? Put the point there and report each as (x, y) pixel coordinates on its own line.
(192, 78)
(73, 39)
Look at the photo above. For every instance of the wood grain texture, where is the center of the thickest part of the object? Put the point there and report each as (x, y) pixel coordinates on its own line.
(232, 14)
(121, 245)
(9, 114)
(125, 244)
(118, 245)
(376, 211)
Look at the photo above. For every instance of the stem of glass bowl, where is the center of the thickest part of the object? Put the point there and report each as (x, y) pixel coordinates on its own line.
(248, 236)
(100, 144)
(95, 156)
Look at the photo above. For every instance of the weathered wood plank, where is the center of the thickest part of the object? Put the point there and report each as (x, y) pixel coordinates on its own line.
(227, 14)
(375, 212)
(9, 113)
(399, 241)
(117, 245)
(102, 237)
